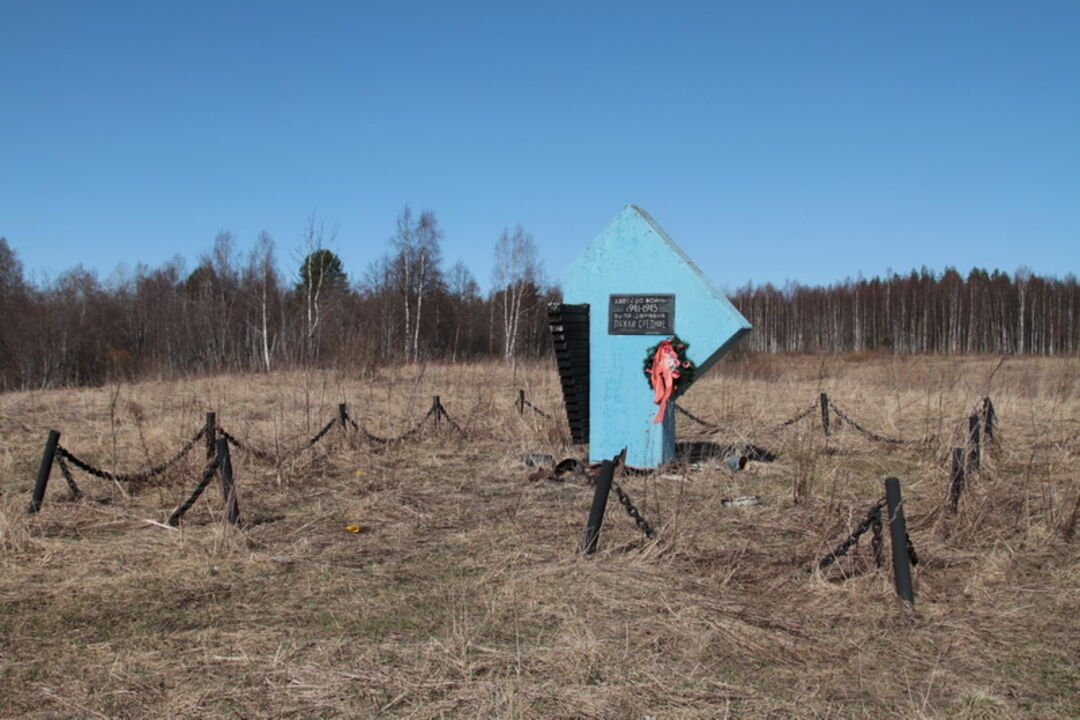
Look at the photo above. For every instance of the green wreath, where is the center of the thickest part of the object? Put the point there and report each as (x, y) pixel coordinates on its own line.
(686, 366)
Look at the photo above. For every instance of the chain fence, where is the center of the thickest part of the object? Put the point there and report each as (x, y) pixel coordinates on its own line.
(271, 457)
(632, 511)
(76, 493)
(538, 411)
(771, 428)
(986, 413)
(64, 456)
(869, 433)
(135, 477)
(522, 402)
(440, 412)
(263, 455)
(437, 411)
(207, 475)
(872, 521)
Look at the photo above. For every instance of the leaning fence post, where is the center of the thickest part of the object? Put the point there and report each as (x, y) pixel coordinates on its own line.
(989, 418)
(43, 472)
(824, 400)
(956, 479)
(899, 541)
(974, 453)
(210, 433)
(599, 504)
(228, 485)
(436, 407)
(521, 401)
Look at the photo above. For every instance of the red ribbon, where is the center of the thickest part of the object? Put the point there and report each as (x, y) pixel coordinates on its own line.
(662, 376)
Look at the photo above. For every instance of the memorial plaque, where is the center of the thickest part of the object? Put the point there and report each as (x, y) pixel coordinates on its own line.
(652, 314)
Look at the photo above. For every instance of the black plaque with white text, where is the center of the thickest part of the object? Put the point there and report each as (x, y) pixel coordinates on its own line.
(644, 314)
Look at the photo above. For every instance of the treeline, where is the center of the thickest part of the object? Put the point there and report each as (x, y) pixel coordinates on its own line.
(986, 312)
(235, 311)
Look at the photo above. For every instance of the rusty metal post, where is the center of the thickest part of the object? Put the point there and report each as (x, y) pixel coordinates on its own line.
(899, 540)
(599, 505)
(436, 407)
(521, 401)
(44, 469)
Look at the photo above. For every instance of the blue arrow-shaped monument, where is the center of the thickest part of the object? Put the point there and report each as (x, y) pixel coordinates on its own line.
(642, 288)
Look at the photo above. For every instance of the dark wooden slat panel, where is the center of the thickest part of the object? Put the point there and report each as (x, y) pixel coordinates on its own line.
(569, 325)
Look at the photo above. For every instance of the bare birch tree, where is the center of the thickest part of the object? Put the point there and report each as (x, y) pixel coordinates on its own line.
(416, 266)
(516, 269)
(261, 279)
(320, 275)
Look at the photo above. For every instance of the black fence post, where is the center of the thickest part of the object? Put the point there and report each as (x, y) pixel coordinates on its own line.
(210, 433)
(343, 418)
(436, 407)
(989, 419)
(228, 485)
(974, 451)
(899, 540)
(521, 401)
(824, 400)
(44, 469)
(599, 505)
(956, 479)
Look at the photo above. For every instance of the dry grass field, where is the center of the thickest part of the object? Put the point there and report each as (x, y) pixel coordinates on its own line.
(464, 594)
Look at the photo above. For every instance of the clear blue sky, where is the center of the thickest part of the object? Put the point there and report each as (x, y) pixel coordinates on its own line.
(797, 140)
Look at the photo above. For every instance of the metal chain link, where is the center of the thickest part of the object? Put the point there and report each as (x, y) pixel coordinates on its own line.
(872, 520)
(537, 410)
(440, 410)
(207, 476)
(316, 438)
(779, 426)
(794, 418)
(632, 511)
(386, 441)
(270, 457)
(76, 493)
(236, 443)
(695, 418)
(129, 477)
(868, 433)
